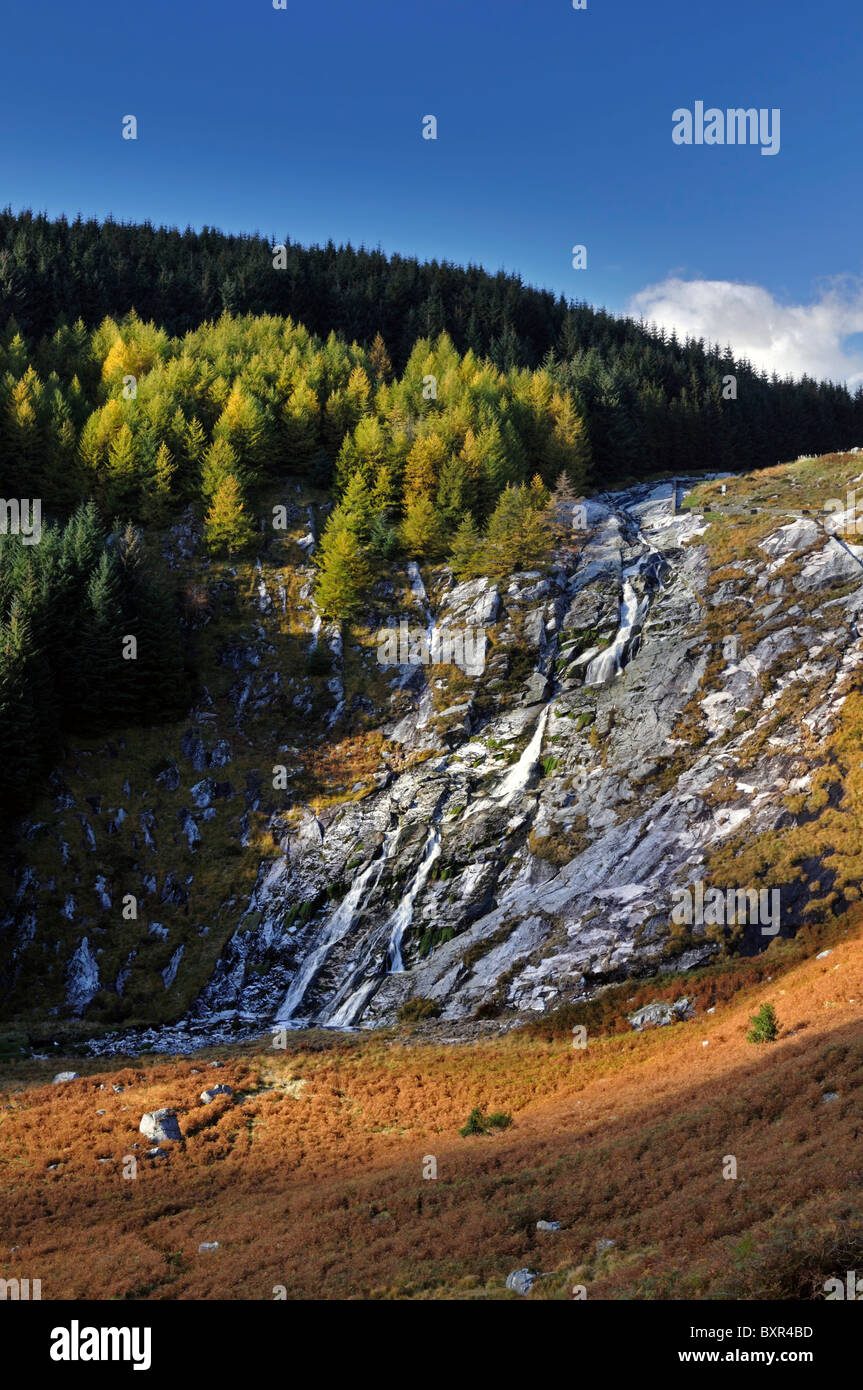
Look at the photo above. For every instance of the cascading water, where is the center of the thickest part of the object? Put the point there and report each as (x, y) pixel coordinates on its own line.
(605, 667)
(518, 776)
(403, 914)
(352, 998)
(419, 590)
(338, 926)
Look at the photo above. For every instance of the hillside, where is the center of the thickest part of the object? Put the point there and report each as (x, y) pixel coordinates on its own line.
(314, 1175)
(333, 837)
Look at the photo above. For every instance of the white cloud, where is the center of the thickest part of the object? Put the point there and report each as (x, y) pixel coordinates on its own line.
(785, 338)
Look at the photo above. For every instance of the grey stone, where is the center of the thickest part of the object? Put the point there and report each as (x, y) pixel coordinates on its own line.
(521, 1281)
(659, 1015)
(213, 1092)
(160, 1125)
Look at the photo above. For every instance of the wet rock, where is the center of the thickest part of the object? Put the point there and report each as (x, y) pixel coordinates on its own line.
(192, 748)
(221, 754)
(203, 792)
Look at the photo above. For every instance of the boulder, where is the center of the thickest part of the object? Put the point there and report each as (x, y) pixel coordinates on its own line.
(210, 1095)
(659, 1015)
(160, 1125)
(64, 1076)
(521, 1281)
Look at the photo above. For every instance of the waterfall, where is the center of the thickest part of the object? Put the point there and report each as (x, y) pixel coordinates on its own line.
(337, 927)
(432, 639)
(518, 776)
(605, 667)
(350, 1001)
(401, 919)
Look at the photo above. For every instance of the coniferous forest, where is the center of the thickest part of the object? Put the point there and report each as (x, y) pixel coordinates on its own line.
(145, 370)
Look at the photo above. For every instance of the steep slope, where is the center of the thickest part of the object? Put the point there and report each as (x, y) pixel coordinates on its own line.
(332, 838)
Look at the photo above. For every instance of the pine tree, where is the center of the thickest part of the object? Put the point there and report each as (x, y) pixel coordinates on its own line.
(465, 558)
(422, 532)
(301, 424)
(567, 448)
(379, 359)
(123, 479)
(518, 536)
(220, 463)
(424, 465)
(156, 504)
(343, 572)
(227, 529)
(21, 744)
(105, 694)
(354, 512)
(452, 500)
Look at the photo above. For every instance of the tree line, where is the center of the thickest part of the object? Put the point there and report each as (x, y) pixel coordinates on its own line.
(68, 607)
(649, 401)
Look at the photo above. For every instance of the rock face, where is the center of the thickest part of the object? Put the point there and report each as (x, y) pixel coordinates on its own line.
(539, 802)
(82, 981)
(160, 1126)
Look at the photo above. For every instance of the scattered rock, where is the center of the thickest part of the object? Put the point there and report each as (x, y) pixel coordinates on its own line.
(207, 1096)
(660, 1015)
(161, 1125)
(521, 1281)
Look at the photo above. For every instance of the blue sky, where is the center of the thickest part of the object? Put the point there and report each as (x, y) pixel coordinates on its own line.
(554, 129)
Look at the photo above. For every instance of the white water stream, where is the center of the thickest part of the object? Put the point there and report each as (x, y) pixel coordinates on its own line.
(349, 1003)
(338, 926)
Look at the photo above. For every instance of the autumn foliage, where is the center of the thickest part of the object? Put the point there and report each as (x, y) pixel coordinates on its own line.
(311, 1176)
